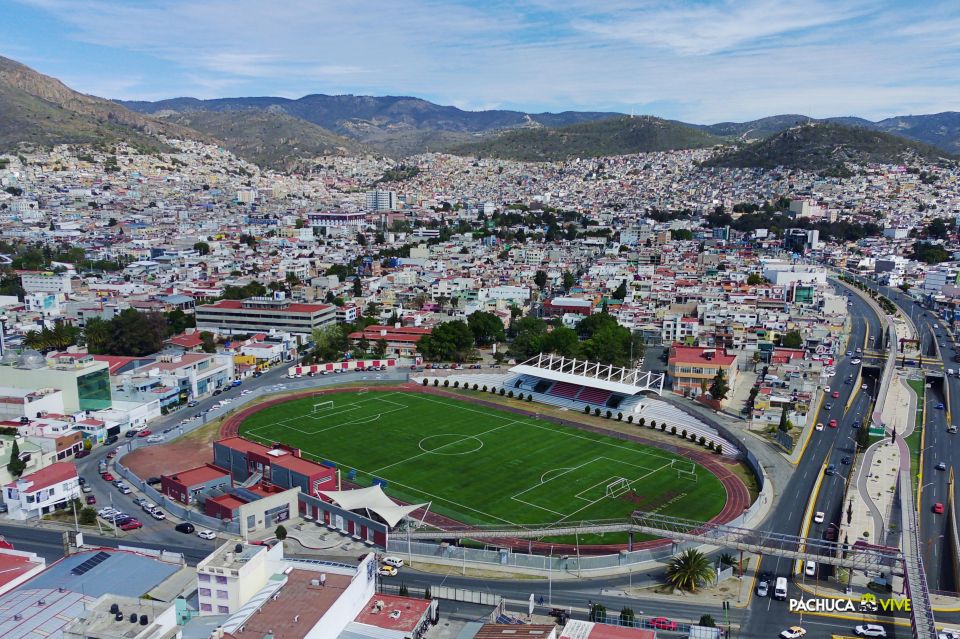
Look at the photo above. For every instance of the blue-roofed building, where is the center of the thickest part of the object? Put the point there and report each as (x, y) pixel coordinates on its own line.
(43, 606)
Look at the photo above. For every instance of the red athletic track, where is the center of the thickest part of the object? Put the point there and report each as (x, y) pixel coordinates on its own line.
(738, 496)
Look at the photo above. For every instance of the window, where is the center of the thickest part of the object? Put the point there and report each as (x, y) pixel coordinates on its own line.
(221, 580)
(222, 594)
(204, 578)
(206, 607)
(223, 609)
(204, 592)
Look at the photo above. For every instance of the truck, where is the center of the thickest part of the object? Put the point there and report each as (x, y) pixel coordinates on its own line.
(780, 589)
(705, 632)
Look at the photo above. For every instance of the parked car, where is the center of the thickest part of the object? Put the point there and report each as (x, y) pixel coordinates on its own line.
(206, 534)
(662, 623)
(387, 571)
(81, 480)
(125, 490)
(396, 562)
(91, 500)
(154, 439)
(185, 527)
(83, 452)
(158, 514)
(146, 432)
(793, 632)
(148, 507)
(192, 403)
(130, 434)
(107, 476)
(112, 454)
(762, 588)
(86, 488)
(131, 525)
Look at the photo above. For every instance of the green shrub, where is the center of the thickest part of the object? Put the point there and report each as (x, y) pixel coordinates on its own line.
(609, 414)
(510, 394)
(456, 384)
(663, 427)
(484, 389)
(446, 382)
(653, 423)
(642, 422)
(436, 382)
(673, 430)
(424, 381)
(596, 411)
(684, 433)
(630, 419)
(501, 392)
(530, 397)
(619, 417)
(586, 409)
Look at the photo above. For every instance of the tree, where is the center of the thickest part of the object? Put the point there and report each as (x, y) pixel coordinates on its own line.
(280, 533)
(487, 328)
(540, 279)
(361, 239)
(529, 333)
(755, 279)
(568, 281)
(207, 342)
(621, 291)
(202, 248)
(707, 621)
(938, 229)
(330, 343)
(719, 388)
(689, 570)
(562, 341)
(357, 287)
(16, 466)
(87, 516)
(793, 339)
(784, 425)
(178, 321)
(380, 348)
(450, 341)
(863, 437)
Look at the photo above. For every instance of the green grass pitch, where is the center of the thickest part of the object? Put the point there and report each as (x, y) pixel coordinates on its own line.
(485, 466)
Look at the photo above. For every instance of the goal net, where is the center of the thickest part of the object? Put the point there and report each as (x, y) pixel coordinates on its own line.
(685, 469)
(319, 406)
(617, 487)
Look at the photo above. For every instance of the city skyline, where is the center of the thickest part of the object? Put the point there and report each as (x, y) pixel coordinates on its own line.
(682, 62)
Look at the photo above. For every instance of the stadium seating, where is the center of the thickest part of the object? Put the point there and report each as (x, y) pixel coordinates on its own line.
(565, 390)
(594, 396)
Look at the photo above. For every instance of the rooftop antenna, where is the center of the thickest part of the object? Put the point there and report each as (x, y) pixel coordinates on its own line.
(631, 113)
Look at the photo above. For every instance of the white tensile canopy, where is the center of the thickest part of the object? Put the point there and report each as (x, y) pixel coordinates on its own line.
(373, 499)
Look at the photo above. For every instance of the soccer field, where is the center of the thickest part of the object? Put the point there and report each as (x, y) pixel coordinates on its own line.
(485, 466)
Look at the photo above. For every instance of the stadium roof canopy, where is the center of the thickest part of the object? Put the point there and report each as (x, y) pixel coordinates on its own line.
(373, 499)
(628, 381)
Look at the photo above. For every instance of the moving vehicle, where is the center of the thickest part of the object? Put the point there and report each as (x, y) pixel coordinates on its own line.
(107, 477)
(940, 406)
(818, 518)
(780, 589)
(762, 589)
(810, 570)
(396, 562)
(836, 395)
(855, 360)
(387, 571)
(938, 508)
(826, 389)
(831, 470)
(91, 500)
(146, 432)
(154, 439)
(952, 429)
(819, 426)
(845, 460)
(941, 466)
(870, 630)
(793, 632)
(833, 423)
(185, 527)
(206, 534)
(192, 403)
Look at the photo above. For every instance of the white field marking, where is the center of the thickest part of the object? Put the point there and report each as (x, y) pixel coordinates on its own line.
(642, 477)
(537, 506)
(463, 438)
(542, 480)
(348, 408)
(557, 476)
(630, 482)
(567, 431)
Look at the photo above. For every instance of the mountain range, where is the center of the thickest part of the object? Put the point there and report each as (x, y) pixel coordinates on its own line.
(288, 134)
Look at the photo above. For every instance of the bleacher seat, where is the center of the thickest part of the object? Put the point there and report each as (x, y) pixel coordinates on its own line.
(594, 396)
(565, 390)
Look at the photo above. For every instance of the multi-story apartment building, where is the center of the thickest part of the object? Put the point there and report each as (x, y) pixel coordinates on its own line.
(262, 315)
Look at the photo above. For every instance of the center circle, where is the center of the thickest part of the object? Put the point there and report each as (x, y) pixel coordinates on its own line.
(450, 444)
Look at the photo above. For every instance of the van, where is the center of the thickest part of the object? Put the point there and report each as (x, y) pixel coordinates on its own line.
(950, 371)
(780, 589)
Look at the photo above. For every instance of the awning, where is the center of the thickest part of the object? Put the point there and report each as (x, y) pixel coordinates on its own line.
(372, 499)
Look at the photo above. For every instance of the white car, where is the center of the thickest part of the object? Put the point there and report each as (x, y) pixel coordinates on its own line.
(819, 426)
(826, 389)
(811, 569)
(855, 360)
(396, 562)
(870, 630)
(157, 514)
(793, 632)
(206, 534)
(818, 518)
(154, 439)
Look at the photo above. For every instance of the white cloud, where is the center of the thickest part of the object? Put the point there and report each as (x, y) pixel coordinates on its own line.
(703, 61)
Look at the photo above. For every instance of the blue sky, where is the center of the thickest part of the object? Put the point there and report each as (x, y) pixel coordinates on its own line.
(700, 61)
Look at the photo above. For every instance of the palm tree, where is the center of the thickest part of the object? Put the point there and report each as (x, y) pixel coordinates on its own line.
(688, 570)
(34, 340)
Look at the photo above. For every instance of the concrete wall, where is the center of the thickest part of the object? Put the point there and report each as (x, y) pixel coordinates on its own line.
(257, 510)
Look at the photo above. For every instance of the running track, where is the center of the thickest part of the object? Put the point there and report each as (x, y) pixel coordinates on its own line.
(738, 496)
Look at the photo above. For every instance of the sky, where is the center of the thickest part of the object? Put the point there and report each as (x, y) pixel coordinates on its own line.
(699, 61)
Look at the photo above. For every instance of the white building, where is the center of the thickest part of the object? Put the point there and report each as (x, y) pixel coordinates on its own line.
(45, 282)
(20, 402)
(783, 273)
(41, 492)
(381, 200)
(233, 574)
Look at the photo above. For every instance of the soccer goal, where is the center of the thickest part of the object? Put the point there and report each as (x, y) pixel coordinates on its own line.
(319, 406)
(619, 486)
(685, 469)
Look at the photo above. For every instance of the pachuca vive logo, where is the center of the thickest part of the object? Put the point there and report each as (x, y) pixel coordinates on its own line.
(868, 603)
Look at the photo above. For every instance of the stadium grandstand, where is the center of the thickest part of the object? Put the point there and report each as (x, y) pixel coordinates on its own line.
(572, 384)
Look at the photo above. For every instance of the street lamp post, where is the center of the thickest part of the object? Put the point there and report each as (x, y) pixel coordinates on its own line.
(3, 334)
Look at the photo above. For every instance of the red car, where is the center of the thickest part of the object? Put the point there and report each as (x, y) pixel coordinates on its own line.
(82, 453)
(144, 433)
(836, 394)
(91, 499)
(133, 524)
(833, 423)
(107, 477)
(938, 508)
(662, 623)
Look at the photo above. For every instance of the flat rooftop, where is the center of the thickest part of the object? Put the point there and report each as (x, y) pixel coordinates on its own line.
(396, 613)
(219, 557)
(123, 573)
(98, 621)
(298, 607)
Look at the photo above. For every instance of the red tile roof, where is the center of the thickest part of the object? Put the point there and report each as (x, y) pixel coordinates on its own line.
(198, 475)
(186, 340)
(50, 476)
(697, 355)
(292, 308)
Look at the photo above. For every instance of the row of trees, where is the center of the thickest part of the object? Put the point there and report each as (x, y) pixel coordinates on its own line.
(598, 337)
(137, 334)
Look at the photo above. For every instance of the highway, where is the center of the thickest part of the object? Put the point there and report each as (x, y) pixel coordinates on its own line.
(939, 446)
